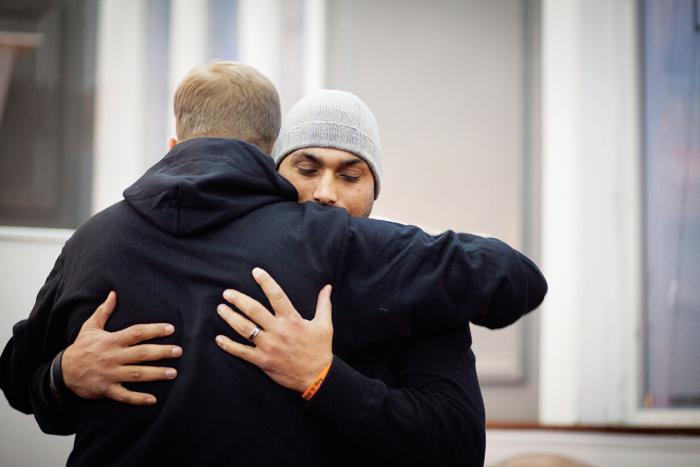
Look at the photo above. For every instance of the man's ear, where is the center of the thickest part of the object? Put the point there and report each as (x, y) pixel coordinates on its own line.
(171, 143)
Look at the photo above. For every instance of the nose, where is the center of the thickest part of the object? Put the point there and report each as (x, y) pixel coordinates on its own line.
(325, 192)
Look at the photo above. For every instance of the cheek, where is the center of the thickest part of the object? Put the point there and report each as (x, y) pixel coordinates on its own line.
(304, 189)
(359, 200)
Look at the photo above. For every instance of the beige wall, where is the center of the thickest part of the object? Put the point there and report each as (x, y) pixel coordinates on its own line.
(445, 82)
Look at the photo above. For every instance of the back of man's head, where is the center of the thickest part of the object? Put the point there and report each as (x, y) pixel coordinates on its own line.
(228, 100)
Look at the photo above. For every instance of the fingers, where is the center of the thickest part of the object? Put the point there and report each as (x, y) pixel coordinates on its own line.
(149, 353)
(244, 352)
(274, 293)
(103, 312)
(239, 323)
(250, 307)
(136, 373)
(324, 307)
(143, 332)
(119, 393)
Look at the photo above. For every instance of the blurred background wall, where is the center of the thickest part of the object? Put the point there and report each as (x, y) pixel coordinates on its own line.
(568, 128)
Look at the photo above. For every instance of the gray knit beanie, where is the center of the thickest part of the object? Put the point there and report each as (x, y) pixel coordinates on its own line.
(332, 119)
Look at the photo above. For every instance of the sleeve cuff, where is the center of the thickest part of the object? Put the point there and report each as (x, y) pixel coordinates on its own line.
(57, 385)
(54, 413)
(345, 395)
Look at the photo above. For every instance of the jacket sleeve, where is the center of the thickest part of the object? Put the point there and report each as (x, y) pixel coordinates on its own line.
(26, 349)
(435, 415)
(397, 281)
(55, 417)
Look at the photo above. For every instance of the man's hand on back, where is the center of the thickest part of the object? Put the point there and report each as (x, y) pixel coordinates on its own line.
(98, 362)
(288, 348)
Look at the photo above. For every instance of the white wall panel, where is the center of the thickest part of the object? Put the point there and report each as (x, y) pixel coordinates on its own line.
(26, 258)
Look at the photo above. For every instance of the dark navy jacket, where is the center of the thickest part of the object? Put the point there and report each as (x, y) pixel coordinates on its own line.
(198, 222)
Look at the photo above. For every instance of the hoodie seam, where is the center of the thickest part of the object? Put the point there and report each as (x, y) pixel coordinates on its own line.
(343, 249)
(179, 209)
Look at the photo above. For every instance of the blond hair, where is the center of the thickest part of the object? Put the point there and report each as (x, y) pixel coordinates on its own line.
(228, 100)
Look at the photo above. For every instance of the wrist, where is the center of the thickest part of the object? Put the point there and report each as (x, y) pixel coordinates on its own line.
(317, 381)
(57, 384)
(306, 379)
(67, 366)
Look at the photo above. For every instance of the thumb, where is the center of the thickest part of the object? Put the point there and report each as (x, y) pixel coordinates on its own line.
(324, 307)
(103, 312)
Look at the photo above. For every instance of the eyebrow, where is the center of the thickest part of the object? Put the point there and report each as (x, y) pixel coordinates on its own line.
(308, 156)
(351, 162)
(317, 160)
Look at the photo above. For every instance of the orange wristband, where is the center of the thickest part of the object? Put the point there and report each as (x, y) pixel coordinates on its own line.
(313, 387)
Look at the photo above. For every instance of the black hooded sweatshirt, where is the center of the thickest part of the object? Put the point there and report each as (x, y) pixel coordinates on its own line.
(197, 223)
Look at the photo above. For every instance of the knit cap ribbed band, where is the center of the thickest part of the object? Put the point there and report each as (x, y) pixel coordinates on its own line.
(332, 119)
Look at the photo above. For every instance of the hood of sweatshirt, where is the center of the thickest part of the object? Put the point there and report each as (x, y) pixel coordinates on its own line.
(204, 183)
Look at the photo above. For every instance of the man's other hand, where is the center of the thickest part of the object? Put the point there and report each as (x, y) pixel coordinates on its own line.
(288, 348)
(98, 362)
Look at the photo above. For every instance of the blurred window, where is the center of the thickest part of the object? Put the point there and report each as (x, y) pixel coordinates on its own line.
(47, 117)
(671, 48)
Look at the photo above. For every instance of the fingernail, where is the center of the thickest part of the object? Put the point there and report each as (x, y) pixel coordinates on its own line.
(169, 328)
(221, 309)
(151, 400)
(220, 340)
(177, 351)
(229, 294)
(257, 272)
(171, 373)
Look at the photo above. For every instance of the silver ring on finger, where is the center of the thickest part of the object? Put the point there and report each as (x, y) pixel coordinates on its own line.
(256, 330)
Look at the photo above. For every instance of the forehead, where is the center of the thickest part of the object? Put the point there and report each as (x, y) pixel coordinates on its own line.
(330, 157)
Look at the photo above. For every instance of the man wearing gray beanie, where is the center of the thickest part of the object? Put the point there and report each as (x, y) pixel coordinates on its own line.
(413, 402)
(332, 119)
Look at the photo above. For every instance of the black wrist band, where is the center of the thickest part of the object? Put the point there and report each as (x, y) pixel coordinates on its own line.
(56, 383)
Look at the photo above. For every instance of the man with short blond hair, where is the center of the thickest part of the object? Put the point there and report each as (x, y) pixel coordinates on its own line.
(226, 99)
(197, 223)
